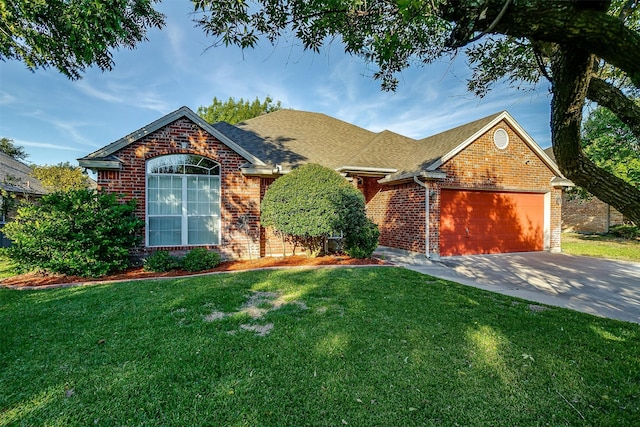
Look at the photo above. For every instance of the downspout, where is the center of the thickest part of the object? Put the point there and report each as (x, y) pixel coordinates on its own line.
(426, 214)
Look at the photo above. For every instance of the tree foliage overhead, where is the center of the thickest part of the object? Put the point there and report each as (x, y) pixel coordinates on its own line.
(61, 177)
(311, 203)
(585, 48)
(232, 111)
(8, 147)
(71, 35)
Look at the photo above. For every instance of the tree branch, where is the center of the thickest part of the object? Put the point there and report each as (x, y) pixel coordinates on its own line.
(615, 100)
(587, 27)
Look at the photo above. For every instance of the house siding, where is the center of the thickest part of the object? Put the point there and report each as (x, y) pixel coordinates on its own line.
(240, 195)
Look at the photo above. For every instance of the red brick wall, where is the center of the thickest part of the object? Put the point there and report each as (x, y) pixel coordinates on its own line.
(589, 216)
(399, 210)
(272, 244)
(240, 195)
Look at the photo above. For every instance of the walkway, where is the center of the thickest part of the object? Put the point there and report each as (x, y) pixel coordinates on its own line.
(597, 286)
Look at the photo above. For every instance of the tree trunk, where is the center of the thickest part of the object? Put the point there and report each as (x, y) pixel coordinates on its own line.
(571, 73)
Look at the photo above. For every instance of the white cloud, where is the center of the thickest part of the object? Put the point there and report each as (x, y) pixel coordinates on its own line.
(130, 94)
(94, 92)
(46, 145)
(6, 99)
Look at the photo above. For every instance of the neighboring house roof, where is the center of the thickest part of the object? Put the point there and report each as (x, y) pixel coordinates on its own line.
(15, 177)
(104, 158)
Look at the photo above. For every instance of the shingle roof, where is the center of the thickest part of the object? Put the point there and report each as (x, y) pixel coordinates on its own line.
(291, 138)
(408, 155)
(549, 152)
(16, 177)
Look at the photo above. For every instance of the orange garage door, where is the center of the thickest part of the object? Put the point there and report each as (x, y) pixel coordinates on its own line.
(486, 222)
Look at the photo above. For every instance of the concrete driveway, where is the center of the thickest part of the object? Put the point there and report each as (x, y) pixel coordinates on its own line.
(602, 287)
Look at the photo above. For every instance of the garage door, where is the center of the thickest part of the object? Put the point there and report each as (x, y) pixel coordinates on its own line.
(485, 222)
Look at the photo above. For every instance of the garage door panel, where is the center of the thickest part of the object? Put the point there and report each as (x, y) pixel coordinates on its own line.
(475, 222)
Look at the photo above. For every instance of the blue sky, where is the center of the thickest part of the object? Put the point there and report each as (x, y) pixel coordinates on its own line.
(59, 120)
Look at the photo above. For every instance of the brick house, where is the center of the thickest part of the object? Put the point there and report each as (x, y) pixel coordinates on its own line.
(484, 187)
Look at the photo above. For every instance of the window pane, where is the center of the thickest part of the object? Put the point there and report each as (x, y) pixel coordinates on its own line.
(203, 230)
(164, 195)
(203, 195)
(165, 231)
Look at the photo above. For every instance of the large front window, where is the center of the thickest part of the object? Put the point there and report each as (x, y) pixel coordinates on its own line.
(183, 201)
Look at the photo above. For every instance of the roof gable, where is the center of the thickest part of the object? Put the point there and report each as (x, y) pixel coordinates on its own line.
(103, 158)
(487, 124)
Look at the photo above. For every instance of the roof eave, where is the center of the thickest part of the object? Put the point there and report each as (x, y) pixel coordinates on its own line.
(100, 164)
(426, 175)
(265, 171)
(366, 170)
(558, 182)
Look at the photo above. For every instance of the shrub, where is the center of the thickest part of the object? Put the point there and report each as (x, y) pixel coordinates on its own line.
(79, 232)
(625, 231)
(161, 261)
(362, 243)
(199, 259)
(310, 203)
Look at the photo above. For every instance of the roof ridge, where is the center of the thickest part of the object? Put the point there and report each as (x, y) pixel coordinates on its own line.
(487, 119)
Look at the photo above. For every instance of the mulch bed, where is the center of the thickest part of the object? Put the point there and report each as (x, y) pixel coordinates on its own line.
(31, 280)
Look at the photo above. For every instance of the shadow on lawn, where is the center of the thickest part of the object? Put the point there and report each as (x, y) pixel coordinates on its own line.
(373, 347)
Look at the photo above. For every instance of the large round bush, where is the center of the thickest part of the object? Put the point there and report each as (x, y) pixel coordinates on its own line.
(310, 203)
(79, 232)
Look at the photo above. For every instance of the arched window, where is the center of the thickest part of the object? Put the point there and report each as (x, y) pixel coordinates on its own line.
(183, 201)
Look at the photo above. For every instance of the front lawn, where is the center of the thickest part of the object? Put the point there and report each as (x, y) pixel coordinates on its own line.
(357, 346)
(6, 266)
(602, 246)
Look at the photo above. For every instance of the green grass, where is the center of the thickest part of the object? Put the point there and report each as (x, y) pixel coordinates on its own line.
(601, 246)
(360, 347)
(6, 266)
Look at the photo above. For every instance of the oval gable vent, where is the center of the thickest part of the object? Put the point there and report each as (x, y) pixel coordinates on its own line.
(501, 138)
